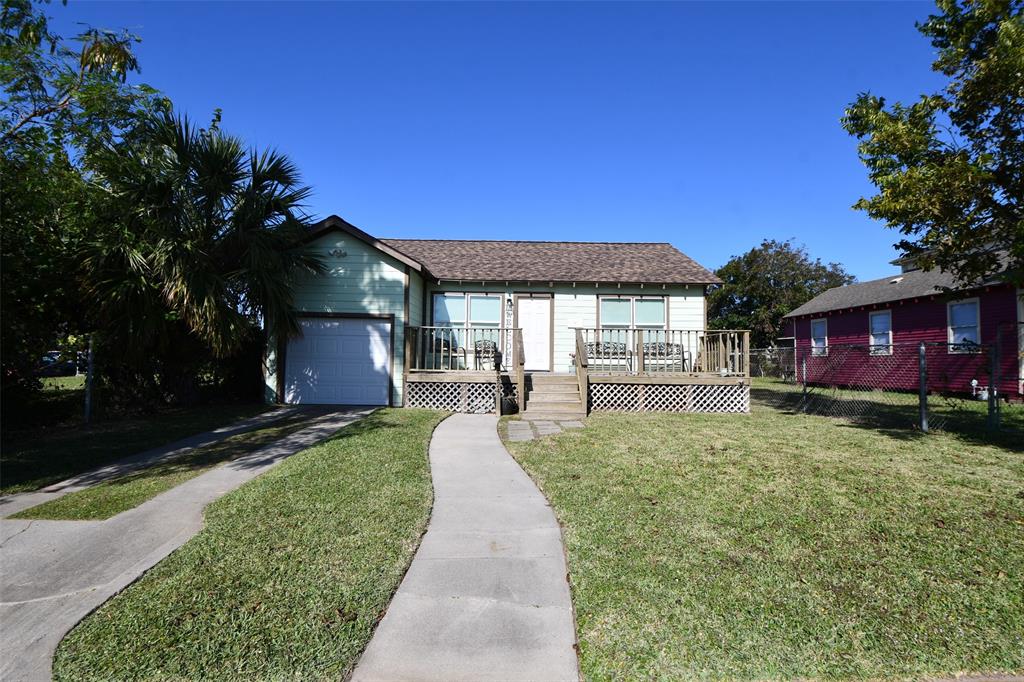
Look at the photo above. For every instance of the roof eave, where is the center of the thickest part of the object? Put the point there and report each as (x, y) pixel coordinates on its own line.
(335, 223)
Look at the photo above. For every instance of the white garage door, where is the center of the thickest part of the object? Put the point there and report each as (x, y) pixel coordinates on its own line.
(339, 362)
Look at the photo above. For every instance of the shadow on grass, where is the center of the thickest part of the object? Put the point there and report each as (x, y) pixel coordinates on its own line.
(375, 421)
(881, 413)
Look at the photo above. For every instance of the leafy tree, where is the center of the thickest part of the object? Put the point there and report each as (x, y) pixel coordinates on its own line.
(765, 283)
(177, 244)
(57, 104)
(197, 250)
(949, 168)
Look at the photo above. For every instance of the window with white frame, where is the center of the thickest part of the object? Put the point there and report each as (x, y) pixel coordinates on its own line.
(963, 326)
(467, 310)
(819, 337)
(623, 312)
(880, 332)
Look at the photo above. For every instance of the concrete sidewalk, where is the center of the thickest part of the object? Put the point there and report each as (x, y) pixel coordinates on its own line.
(486, 596)
(53, 573)
(12, 504)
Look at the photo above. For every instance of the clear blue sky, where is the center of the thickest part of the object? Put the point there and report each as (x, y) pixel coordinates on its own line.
(711, 126)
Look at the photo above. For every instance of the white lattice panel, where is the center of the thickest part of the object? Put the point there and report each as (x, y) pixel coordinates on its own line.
(615, 398)
(478, 398)
(719, 399)
(666, 397)
(453, 396)
(669, 398)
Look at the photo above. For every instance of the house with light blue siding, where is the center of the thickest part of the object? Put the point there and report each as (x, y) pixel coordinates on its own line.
(485, 325)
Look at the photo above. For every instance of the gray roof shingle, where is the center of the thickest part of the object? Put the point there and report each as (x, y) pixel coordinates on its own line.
(537, 261)
(913, 284)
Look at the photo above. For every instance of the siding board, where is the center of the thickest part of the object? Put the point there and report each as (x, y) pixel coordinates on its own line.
(912, 323)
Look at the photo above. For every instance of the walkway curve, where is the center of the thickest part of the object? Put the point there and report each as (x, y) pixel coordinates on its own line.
(486, 596)
(54, 573)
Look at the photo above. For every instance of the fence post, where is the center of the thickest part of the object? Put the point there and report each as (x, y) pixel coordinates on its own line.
(803, 371)
(993, 381)
(922, 387)
(89, 373)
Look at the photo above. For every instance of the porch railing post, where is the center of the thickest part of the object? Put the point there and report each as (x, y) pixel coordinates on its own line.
(639, 350)
(520, 360)
(746, 354)
(582, 379)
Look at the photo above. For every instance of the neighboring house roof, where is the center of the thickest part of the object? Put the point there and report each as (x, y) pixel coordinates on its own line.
(485, 260)
(481, 260)
(912, 284)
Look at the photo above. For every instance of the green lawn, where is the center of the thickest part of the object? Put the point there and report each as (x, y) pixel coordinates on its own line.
(777, 546)
(39, 454)
(103, 500)
(290, 575)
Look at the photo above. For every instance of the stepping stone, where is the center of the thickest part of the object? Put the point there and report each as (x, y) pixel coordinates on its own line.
(571, 425)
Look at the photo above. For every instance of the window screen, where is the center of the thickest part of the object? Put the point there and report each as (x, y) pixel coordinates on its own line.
(881, 332)
(650, 312)
(449, 310)
(963, 323)
(615, 312)
(484, 311)
(819, 337)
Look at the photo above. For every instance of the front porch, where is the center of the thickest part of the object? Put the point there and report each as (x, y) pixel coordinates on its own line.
(482, 370)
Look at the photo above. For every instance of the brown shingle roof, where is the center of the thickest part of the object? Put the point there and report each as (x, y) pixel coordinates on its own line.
(484, 260)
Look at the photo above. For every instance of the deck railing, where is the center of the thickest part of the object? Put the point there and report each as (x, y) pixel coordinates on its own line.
(519, 362)
(664, 351)
(451, 349)
(581, 363)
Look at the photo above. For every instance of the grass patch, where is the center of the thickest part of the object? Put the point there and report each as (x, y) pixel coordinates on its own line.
(103, 500)
(73, 383)
(289, 576)
(776, 546)
(39, 456)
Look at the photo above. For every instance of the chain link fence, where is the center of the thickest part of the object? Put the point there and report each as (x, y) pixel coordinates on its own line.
(925, 386)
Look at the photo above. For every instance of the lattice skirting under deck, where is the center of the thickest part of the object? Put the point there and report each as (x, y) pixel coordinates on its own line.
(668, 398)
(454, 396)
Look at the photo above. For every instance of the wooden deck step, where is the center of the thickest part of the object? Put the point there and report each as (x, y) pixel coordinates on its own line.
(552, 379)
(557, 389)
(544, 402)
(553, 396)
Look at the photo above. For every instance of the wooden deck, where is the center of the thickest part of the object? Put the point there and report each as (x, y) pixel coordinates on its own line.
(632, 370)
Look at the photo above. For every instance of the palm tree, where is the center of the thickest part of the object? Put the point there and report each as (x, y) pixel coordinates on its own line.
(201, 237)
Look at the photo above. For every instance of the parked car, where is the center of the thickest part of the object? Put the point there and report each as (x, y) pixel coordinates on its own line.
(57, 364)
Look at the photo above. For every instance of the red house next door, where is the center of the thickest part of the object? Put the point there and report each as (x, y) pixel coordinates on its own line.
(533, 316)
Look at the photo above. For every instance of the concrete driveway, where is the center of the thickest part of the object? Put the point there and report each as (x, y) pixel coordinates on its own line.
(53, 573)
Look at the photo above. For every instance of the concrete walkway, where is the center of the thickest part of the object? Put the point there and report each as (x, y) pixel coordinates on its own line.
(53, 573)
(12, 504)
(486, 596)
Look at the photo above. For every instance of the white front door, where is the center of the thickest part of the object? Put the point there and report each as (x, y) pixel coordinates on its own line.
(535, 321)
(338, 362)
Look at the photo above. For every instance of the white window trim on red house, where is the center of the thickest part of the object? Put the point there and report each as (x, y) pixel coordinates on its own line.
(879, 348)
(823, 349)
(959, 348)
